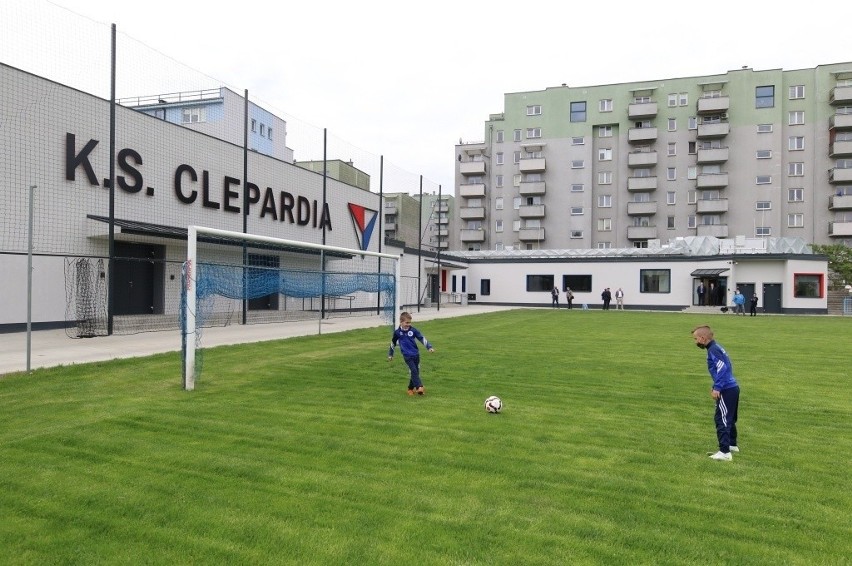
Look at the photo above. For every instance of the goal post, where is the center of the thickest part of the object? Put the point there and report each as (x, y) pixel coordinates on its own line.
(282, 280)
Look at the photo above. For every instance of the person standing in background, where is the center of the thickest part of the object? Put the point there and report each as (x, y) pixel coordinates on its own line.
(700, 292)
(619, 299)
(752, 305)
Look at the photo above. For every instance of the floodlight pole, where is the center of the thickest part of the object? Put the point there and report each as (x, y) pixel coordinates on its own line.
(30, 280)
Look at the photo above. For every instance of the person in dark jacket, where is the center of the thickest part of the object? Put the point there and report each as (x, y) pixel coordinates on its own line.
(725, 392)
(407, 336)
(606, 296)
(752, 305)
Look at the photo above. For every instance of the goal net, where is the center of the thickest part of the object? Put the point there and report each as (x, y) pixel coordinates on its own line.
(233, 277)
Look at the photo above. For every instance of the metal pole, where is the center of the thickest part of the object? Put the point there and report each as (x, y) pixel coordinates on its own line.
(439, 248)
(245, 203)
(30, 281)
(382, 235)
(111, 285)
(419, 243)
(322, 251)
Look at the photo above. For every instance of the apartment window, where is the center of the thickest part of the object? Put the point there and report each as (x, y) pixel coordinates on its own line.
(796, 169)
(795, 220)
(604, 201)
(534, 110)
(578, 164)
(516, 203)
(691, 148)
(807, 286)
(578, 140)
(690, 221)
(605, 178)
(516, 157)
(692, 123)
(498, 203)
(692, 172)
(683, 99)
(763, 205)
(796, 195)
(498, 225)
(796, 143)
(671, 197)
(655, 280)
(796, 118)
(604, 131)
(763, 180)
(764, 154)
(672, 124)
(797, 92)
(516, 135)
(576, 211)
(670, 222)
(604, 224)
(672, 100)
(764, 97)
(764, 128)
(577, 188)
(533, 133)
(498, 180)
(605, 154)
(691, 197)
(499, 158)
(671, 173)
(516, 225)
(253, 122)
(604, 246)
(263, 130)
(516, 180)
(499, 136)
(672, 149)
(578, 111)
(575, 234)
(605, 105)
(642, 172)
(762, 231)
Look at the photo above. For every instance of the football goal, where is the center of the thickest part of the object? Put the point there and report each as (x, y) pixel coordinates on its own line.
(234, 277)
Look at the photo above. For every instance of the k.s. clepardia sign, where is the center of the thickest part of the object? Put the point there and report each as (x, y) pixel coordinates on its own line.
(281, 205)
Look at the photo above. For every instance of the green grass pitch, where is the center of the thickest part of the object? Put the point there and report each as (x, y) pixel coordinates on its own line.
(308, 450)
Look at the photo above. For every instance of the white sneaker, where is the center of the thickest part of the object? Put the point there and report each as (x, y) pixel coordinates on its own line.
(734, 448)
(721, 456)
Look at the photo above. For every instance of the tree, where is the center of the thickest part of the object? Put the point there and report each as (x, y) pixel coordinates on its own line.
(839, 263)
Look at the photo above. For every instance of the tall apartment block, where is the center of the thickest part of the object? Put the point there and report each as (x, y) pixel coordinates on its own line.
(746, 153)
(425, 226)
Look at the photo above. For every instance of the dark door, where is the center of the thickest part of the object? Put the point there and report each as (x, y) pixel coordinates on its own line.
(772, 298)
(270, 264)
(137, 267)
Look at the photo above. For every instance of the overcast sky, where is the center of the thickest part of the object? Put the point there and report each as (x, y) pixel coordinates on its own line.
(406, 80)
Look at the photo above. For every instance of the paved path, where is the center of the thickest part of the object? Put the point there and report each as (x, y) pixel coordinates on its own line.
(51, 348)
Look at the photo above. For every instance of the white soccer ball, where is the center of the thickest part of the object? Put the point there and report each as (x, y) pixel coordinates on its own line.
(493, 404)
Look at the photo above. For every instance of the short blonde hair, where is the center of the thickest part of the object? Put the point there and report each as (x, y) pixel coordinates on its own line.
(703, 330)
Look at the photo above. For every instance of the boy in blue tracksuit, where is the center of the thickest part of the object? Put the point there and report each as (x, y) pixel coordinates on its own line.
(725, 391)
(407, 336)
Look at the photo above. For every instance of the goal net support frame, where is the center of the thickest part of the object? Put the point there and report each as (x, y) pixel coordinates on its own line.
(191, 268)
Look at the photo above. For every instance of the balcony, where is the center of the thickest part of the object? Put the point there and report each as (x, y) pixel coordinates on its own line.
(641, 232)
(443, 244)
(476, 235)
(840, 229)
(840, 148)
(712, 181)
(531, 188)
(642, 110)
(390, 226)
(531, 211)
(390, 208)
(836, 175)
(642, 159)
(641, 183)
(641, 208)
(840, 122)
(442, 219)
(532, 164)
(469, 190)
(714, 155)
(531, 234)
(841, 96)
(715, 230)
(711, 206)
(641, 135)
(840, 202)
(472, 212)
(472, 167)
(713, 105)
(713, 130)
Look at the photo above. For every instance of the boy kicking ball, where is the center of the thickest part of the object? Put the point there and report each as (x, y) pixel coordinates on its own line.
(407, 336)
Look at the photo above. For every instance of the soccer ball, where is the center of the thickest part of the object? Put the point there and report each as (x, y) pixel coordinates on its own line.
(493, 404)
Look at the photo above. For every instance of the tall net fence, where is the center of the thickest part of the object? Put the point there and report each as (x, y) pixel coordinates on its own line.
(111, 188)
